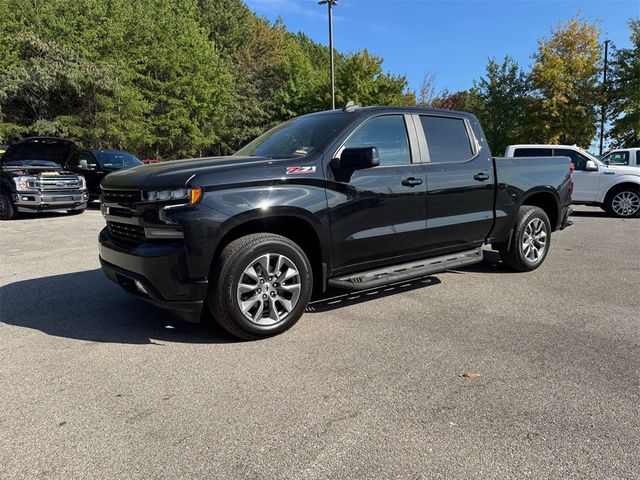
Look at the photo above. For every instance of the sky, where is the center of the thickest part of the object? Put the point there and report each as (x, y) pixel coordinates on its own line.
(452, 39)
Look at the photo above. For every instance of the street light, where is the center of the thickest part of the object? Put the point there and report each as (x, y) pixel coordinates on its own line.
(330, 4)
(604, 95)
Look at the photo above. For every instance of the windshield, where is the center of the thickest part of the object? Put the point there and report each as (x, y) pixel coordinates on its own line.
(118, 159)
(30, 163)
(297, 137)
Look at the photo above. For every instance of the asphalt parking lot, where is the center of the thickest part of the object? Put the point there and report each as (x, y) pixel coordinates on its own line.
(96, 384)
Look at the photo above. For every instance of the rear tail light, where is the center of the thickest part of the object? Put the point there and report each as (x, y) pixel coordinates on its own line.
(572, 167)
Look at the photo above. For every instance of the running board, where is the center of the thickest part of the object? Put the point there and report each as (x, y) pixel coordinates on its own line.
(406, 271)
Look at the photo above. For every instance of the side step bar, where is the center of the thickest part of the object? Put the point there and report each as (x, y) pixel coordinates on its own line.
(406, 271)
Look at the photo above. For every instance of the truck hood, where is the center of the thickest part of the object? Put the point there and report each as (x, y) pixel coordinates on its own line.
(177, 173)
(40, 148)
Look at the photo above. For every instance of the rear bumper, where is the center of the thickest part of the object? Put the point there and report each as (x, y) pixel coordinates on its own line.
(155, 273)
(38, 202)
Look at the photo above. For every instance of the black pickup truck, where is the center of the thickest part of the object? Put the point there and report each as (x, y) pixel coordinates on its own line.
(33, 178)
(352, 198)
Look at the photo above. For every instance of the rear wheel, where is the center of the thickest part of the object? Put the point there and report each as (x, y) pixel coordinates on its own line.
(260, 286)
(7, 208)
(530, 242)
(624, 202)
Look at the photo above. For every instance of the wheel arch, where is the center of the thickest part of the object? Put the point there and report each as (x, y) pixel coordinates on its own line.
(548, 200)
(293, 223)
(627, 182)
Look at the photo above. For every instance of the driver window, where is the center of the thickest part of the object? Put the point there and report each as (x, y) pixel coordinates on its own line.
(618, 158)
(388, 134)
(580, 161)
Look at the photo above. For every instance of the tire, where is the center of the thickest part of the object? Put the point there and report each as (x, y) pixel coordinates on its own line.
(530, 241)
(242, 265)
(76, 212)
(7, 208)
(623, 202)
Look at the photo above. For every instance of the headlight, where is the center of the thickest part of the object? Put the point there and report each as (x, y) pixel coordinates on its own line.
(190, 195)
(83, 182)
(24, 184)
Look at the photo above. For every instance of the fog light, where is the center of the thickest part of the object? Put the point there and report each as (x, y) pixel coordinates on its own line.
(140, 287)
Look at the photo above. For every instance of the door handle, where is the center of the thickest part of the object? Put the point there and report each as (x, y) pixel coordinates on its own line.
(411, 182)
(481, 177)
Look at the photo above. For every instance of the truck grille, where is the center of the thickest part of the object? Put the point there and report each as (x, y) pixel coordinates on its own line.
(123, 197)
(128, 236)
(58, 183)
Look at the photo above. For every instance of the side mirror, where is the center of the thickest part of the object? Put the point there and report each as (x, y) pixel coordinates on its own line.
(357, 158)
(591, 166)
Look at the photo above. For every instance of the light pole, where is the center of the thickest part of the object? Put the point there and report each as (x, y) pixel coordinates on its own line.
(604, 94)
(330, 4)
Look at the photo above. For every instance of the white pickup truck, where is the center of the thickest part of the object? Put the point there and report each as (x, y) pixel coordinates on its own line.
(623, 156)
(615, 188)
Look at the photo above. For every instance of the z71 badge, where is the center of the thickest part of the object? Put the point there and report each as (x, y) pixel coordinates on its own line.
(300, 170)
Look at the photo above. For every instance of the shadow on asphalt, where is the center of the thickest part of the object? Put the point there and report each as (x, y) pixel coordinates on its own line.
(590, 213)
(86, 306)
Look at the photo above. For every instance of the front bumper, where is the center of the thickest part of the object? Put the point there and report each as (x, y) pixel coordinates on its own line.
(155, 272)
(38, 202)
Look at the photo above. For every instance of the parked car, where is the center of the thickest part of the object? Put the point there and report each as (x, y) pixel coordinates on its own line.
(150, 160)
(3, 148)
(615, 188)
(622, 156)
(95, 164)
(354, 199)
(33, 179)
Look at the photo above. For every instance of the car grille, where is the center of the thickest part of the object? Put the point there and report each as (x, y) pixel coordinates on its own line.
(58, 183)
(128, 236)
(123, 197)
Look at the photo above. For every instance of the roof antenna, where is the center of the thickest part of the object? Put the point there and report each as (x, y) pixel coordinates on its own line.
(350, 106)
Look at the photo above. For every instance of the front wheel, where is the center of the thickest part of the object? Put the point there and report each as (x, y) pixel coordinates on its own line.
(260, 286)
(530, 242)
(7, 208)
(624, 202)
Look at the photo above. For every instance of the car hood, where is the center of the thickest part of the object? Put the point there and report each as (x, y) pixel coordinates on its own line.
(177, 173)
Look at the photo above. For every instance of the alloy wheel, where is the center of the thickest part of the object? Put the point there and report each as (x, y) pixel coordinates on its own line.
(268, 289)
(626, 203)
(534, 241)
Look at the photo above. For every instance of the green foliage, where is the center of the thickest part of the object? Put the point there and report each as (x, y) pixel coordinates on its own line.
(163, 78)
(624, 93)
(501, 102)
(565, 77)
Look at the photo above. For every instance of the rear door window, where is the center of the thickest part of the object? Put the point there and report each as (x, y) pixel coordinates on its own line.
(532, 152)
(447, 139)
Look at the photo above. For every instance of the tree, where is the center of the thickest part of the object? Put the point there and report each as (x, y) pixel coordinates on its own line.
(446, 100)
(500, 100)
(624, 93)
(359, 78)
(427, 91)
(565, 78)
